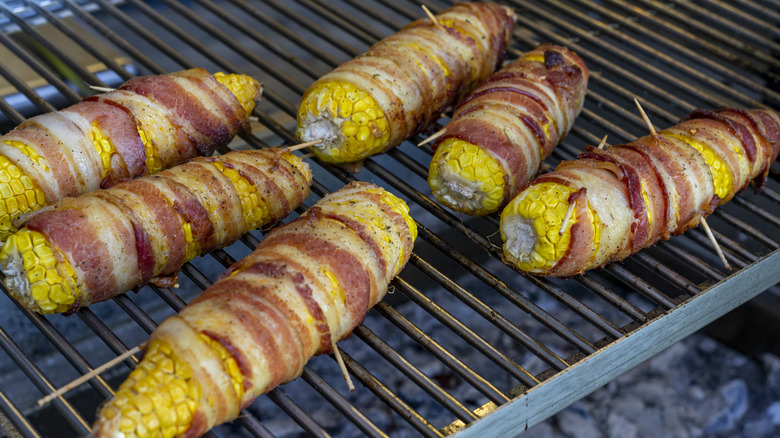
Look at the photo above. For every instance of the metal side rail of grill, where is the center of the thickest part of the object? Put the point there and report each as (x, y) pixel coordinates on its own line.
(464, 345)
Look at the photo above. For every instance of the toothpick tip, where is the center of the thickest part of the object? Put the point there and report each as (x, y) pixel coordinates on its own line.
(303, 145)
(433, 137)
(645, 118)
(432, 17)
(603, 142)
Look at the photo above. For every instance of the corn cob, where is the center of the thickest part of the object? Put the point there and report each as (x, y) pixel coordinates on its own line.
(499, 135)
(88, 249)
(307, 285)
(625, 198)
(147, 125)
(373, 102)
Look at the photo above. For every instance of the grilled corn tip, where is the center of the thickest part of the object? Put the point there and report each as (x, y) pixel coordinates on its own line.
(158, 399)
(245, 88)
(36, 276)
(467, 178)
(531, 224)
(348, 120)
(721, 176)
(19, 194)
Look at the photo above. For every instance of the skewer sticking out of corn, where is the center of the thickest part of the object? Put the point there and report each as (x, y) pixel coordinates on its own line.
(91, 248)
(150, 123)
(611, 203)
(374, 102)
(499, 135)
(306, 286)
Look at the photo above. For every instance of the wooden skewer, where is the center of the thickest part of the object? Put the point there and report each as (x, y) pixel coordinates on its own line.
(603, 142)
(295, 147)
(307, 155)
(103, 89)
(340, 360)
(722, 256)
(433, 18)
(433, 137)
(647, 119)
(74, 384)
(566, 218)
(707, 229)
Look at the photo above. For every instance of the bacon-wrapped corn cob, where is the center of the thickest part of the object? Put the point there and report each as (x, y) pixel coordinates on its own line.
(617, 201)
(499, 135)
(374, 102)
(150, 123)
(90, 248)
(307, 285)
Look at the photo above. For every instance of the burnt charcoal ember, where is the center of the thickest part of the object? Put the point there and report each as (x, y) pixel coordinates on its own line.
(696, 388)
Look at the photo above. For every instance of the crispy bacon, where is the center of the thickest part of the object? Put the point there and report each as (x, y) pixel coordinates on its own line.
(305, 287)
(182, 115)
(666, 183)
(119, 238)
(519, 114)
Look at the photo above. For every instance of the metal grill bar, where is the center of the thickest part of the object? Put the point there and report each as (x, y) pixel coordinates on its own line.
(41, 382)
(667, 77)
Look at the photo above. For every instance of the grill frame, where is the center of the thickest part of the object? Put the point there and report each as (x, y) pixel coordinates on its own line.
(655, 311)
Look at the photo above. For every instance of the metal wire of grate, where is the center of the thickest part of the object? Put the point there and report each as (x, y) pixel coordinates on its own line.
(463, 333)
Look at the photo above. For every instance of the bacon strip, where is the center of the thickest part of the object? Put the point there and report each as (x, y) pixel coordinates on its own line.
(664, 182)
(118, 238)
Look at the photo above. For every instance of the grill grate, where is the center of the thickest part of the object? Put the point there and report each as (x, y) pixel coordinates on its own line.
(463, 333)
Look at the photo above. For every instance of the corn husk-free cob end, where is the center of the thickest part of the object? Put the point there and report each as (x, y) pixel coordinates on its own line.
(37, 275)
(467, 178)
(531, 227)
(350, 123)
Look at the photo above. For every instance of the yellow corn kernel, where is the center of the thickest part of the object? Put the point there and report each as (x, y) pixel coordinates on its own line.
(436, 58)
(460, 30)
(30, 152)
(467, 178)
(193, 246)
(103, 146)
(35, 276)
(347, 118)
(243, 87)
(145, 405)
(543, 208)
(646, 198)
(337, 289)
(255, 209)
(721, 176)
(400, 207)
(153, 161)
(228, 362)
(19, 193)
(533, 56)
